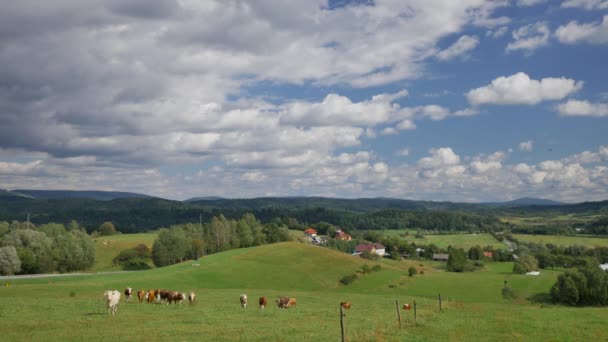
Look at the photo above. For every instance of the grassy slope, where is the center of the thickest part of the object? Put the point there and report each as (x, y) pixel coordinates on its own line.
(42, 309)
(108, 247)
(564, 240)
(465, 241)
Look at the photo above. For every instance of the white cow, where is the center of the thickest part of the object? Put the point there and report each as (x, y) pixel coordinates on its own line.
(191, 297)
(112, 300)
(244, 301)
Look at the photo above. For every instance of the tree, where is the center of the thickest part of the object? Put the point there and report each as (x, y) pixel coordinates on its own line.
(135, 258)
(457, 261)
(565, 289)
(170, 247)
(475, 253)
(107, 228)
(9, 261)
(525, 263)
(412, 271)
(34, 249)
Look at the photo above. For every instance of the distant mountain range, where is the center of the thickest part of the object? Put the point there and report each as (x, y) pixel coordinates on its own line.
(65, 194)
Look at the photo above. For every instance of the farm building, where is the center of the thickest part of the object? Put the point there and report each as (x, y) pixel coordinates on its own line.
(440, 257)
(376, 248)
(604, 267)
(488, 254)
(310, 232)
(340, 235)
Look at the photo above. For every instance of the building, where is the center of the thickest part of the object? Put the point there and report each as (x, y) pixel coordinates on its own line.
(310, 232)
(376, 248)
(340, 235)
(440, 257)
(488, 254)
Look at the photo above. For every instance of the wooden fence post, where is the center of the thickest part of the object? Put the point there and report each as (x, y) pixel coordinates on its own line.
(398, 313)
(342, 323)
(414, 312)
(440, 302)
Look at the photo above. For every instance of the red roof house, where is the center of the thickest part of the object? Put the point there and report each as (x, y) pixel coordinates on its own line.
(310, 232)
(340, 235)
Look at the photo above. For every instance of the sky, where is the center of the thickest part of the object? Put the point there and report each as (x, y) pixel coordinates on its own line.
(442, 100)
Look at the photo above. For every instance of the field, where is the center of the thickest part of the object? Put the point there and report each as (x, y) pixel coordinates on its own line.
(464, 241)
(107, 247)
(72, 309)
(562, 240)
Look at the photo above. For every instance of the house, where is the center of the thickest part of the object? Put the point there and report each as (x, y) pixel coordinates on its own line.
(604, 267)
(488, 254)
(533, 273)
(440, 257)
(340, 235)
(376, 248)
(310, 232)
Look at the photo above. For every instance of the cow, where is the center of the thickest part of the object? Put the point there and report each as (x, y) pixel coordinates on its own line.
(164, 295)
(291, 303)
(151, 296)
(112, 298)
(128, 293)
(141, 294)
(345, 305)
(282, 302)
(191, 297)
(243, 299)
(262, 302)
(175, 297)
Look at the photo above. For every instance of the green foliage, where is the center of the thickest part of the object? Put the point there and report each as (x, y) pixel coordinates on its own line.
(585, 286)
(9, 261)
(508, 293)
(369, 255)
(525, 263)
(376, 268)
(457, 261)
(412, 271)
(348, 279)
(170, 247)
(475, 253)
(106, 229)
(136, 258)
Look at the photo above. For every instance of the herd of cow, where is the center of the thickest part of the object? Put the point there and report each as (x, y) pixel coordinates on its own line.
(113, 298)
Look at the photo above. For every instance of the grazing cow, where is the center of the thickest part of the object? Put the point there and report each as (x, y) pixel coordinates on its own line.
(128, 293)
(191, 297)
(345, 305)
(164, 295)
(243, 299)
(291, 303)
(282, 302)
(112, 299)
(151, 296)
(406, 306)
(141, 294)
(175, 297)
(262, 302)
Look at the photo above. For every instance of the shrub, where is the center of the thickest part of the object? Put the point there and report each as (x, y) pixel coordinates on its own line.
(422, 272)
(346, 280)
(412, 271)
(369, 255)
(376, 268)
(508, 293)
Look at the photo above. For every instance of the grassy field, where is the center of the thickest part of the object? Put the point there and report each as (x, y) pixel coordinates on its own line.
(108, 247)
(562, 240)
(72, 309)
(465, 241)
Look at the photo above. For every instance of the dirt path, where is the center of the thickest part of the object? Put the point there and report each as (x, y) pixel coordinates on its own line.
(50, 275)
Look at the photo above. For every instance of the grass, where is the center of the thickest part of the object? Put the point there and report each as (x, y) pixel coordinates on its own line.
(464, 241)
(71, 309)
(108, 247)
(562, 240)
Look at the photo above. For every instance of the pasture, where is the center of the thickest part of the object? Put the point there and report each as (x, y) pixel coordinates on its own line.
(464, 241)
(72, 309)
(108, 247)
(563, 240)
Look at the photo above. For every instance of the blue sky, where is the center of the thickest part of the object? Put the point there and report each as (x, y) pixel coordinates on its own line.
(438, 100)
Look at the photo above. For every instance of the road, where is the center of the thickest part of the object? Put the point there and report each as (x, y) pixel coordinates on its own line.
(51, 275)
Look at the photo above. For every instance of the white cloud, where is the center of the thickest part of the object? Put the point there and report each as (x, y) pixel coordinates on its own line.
(389, 131)
(586, 4)
(404, 152)
(526, 145)
(499, 32)
(466, 112)
(463, 45)
(524, 3)
(440, 157)
(520, 89)
(593, 33)
(530, 37)
(583, 108)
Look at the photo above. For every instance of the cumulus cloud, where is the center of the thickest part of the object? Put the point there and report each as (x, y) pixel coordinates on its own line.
(586, 4)
(526, 145)
(463, 45)
(583, 108)
(524, 3)
(499, 32)
(404, 152)
(593, 33)
(530, 37)
(521, 89)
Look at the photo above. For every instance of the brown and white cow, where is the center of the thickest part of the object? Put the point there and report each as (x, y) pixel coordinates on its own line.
(163, 295)
(345, 305)
(191, 297)
(291, 303)
(286, 302)
(262, 302)
(175, 297)
(243, 299)
(141, 294)
(151, 296)
(112, 300)
(128, 293)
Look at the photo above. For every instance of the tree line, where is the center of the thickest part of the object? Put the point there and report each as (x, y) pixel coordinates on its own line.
(27, 249)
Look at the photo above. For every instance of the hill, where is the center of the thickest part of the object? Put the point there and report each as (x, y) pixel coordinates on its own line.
(529, 201)
(88, 194)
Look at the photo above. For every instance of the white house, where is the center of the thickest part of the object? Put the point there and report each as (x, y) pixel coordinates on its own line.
(604, 267)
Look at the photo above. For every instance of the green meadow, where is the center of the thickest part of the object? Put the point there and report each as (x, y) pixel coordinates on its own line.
(464, 241)
(563, 240)
(108, 247)
(73, 309)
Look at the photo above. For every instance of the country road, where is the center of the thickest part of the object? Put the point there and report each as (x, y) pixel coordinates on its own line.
(32, 276)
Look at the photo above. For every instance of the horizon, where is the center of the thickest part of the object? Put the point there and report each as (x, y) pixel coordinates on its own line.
(472, 102)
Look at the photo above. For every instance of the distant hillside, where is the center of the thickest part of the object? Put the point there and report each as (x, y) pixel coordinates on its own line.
(95, 195)
(204, 198)
(12, 194)
(530, 201)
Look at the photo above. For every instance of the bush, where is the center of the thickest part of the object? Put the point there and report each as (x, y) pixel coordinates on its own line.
(412, 271)
(422, 272)
(369, 255)
(376, 268)
(508, 293)
(346, 280)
